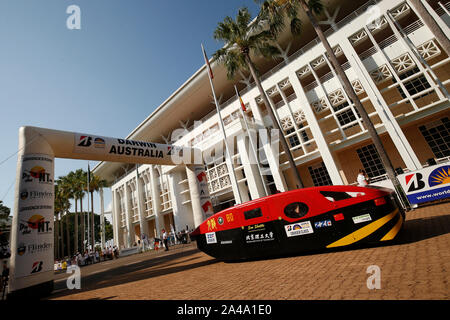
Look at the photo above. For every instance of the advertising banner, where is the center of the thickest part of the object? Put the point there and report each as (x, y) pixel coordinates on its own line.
(428, 184)
(35, 216)
(123, 148)
(205, 199)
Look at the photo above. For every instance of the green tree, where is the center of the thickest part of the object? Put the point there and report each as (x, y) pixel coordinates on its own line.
(274, 12)
(242, 40)
(62, 206)
(95, 184)
(4, 228)
(4, 211)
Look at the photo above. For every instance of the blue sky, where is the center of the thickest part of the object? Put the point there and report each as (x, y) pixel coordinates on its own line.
(107, 77)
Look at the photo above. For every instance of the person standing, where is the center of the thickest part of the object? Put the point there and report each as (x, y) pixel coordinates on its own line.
(165, 239)
(362, 179)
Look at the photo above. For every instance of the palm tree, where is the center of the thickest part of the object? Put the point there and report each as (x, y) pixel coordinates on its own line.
(432, 25)
(94, 185)
(242, 39)
(78, 180)
(79, 185)
(70, 181)
(274, 11)
(62, 205)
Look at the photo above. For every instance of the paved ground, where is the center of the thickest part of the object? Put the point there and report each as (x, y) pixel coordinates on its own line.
(416, 266)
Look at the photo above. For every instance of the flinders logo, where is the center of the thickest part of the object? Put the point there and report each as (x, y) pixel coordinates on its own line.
(33, 248)
(33, 194)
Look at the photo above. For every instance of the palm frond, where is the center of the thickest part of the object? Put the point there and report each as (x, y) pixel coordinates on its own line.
(296, 26)
(268, 51)
(315, 6)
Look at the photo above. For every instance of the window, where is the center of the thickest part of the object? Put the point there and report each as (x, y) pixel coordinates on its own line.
(251, 214)
(293, 139)
(296, 210)
(303, 133)
(437, 135)
(371, 161)
(335, 196)
(415, 85)
(344, 117)
(319, 175)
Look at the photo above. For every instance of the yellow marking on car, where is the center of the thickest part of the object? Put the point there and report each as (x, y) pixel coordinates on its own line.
(364, 231)
(393, 232)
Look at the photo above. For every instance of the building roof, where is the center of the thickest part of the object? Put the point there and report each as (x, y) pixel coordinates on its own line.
(192, 100)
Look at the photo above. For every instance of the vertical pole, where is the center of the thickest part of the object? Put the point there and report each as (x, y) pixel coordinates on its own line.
(222, 127)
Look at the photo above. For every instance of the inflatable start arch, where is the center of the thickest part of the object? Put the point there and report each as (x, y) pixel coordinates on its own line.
(32, 239)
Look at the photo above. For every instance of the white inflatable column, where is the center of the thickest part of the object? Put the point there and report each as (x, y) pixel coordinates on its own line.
(32, 236)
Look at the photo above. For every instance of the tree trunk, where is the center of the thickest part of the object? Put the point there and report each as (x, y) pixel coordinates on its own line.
(61, 237)
(92, 220)
(68, 235)
(431, 23)
(352, 95)
(275, 122)
(83, 237)
(56, 232)
(75, 243)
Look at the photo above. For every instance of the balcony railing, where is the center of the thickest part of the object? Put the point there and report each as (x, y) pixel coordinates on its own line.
(368, 53)
(413, 26)
(388, 41)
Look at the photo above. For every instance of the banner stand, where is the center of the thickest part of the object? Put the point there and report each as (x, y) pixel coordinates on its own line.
(32, 230)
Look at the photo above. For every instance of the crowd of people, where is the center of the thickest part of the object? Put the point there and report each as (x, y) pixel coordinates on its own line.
(89, 257)
(168, 239)
(5, 252)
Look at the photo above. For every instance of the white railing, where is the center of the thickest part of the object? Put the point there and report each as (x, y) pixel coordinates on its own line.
(369, 52)
(413, 26)
(326, 77)
(388, 41)
(310, 86)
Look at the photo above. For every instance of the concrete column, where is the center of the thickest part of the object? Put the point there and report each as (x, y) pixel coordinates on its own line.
(128, 216)
(433, 13)
(102, 218)
(255, 185)
(143, 226)
(322, 145)
(272, 159)
(116, 217)
(156, 198)
(383, 111)
(181, 216)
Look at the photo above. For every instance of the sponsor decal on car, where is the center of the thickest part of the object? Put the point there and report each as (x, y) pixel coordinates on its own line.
(362, 218)
(211, 237)
(299, 229)
(323, 223)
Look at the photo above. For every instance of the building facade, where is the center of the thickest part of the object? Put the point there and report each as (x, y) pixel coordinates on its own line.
(397, 68)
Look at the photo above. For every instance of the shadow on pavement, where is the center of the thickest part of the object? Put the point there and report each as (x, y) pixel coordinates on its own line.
(413, 230)
(130, 273)
(423, 228)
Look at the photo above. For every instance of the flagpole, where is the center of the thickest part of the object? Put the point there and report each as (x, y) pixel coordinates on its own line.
(255, 154)
(222, 126)
(88, 213)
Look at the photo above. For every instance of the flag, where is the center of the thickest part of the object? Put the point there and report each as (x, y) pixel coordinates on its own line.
(211, 75)
(240, 100)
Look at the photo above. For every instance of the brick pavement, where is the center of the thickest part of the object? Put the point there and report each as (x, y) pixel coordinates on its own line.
(416, 266)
